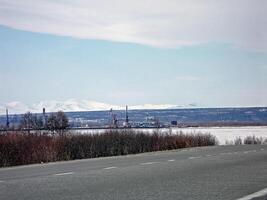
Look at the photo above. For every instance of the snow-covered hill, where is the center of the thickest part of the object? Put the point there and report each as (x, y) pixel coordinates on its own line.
(72, 105)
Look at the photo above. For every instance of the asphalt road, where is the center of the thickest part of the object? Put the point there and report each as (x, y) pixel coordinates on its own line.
(221, 172)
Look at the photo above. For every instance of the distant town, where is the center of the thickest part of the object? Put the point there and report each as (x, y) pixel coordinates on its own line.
(162, 118)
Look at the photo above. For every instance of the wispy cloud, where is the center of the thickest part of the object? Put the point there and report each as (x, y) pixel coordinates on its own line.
(161, 23)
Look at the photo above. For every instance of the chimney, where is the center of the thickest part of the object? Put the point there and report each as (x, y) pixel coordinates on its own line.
(7, 118)
(127, 117)
(44, 118)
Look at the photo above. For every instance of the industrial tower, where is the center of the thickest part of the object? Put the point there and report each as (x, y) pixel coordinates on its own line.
(44, 118)
(114, 120)
(7, 118)
(126, 123)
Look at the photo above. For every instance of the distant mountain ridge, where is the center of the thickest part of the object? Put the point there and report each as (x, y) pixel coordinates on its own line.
(70, 105)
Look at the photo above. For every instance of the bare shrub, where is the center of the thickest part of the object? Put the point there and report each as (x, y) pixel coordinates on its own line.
(20, 148)
(253, 140)
(238, 141)
(58, 123)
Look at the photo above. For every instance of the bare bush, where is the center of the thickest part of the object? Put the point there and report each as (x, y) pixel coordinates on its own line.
(30, 121)
(20, 149)
(58, 123)
(253, 140)
(238, 141)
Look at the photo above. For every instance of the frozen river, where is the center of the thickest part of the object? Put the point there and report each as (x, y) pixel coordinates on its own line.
(225, 135)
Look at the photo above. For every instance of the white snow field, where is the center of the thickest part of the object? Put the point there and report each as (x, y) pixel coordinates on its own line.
(225, 135)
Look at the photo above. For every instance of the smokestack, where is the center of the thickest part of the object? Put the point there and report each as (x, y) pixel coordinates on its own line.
(126, 123)
(127, 117)
(44, 118)
(7, 118)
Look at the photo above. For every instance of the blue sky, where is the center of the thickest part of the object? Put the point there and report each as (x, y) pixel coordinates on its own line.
(46, 65)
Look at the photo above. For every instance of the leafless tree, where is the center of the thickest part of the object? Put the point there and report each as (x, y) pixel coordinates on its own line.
(58, 122)
(30, 121)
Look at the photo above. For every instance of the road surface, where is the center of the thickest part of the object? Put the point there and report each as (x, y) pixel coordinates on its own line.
(220, 172)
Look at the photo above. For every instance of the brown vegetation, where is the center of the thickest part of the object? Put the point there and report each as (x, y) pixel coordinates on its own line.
(249, 140)
(26, 148)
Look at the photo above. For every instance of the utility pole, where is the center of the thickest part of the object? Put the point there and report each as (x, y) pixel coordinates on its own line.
(127, 117)
(7, 118)
(111, 118)
(44, 118)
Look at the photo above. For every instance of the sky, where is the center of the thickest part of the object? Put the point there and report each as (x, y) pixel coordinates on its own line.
(157, 52)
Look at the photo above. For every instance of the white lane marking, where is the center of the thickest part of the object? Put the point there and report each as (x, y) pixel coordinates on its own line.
(190, 158)
(1, 181)
(110, 168)
(148, 163)
(65, 173)
(208, 155)
(172, 160)
(229, 153)
(262, 149)
(255, 195)
(254, 151)
(245, 152)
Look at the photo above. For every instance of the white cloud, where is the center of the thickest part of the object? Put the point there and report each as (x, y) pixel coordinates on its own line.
(172, 23)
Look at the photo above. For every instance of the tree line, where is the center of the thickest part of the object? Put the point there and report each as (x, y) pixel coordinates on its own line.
(55, 122)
